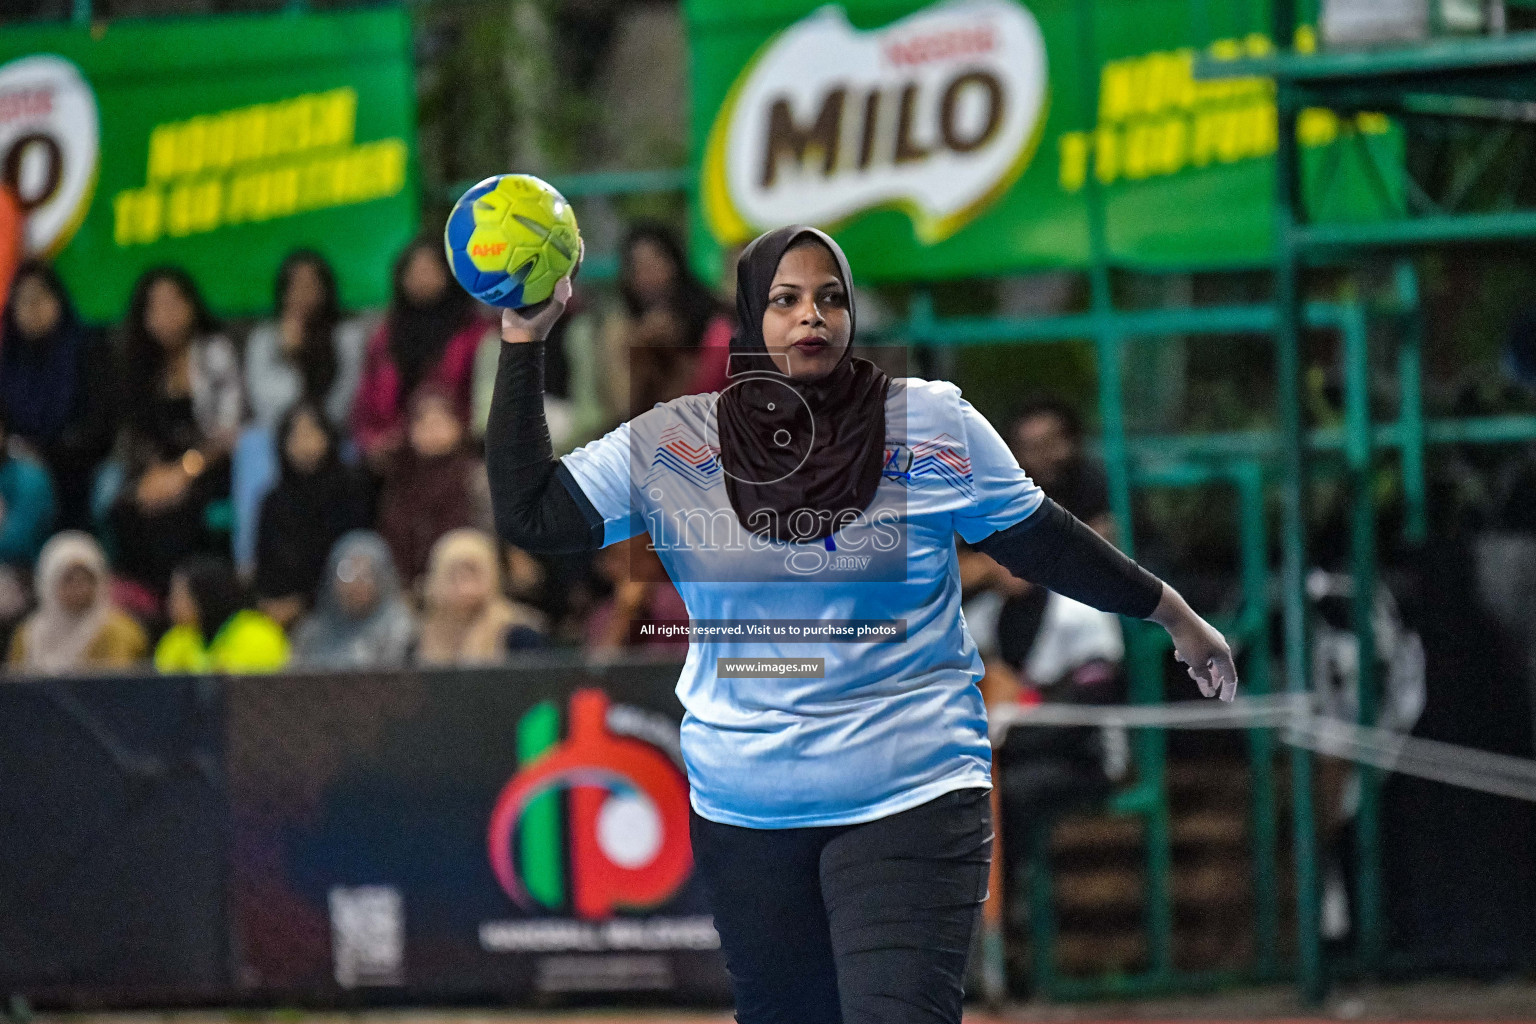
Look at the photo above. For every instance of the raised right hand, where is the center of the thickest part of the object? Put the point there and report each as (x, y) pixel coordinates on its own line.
(533, 323)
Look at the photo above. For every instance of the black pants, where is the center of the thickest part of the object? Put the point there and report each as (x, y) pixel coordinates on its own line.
(850, 923)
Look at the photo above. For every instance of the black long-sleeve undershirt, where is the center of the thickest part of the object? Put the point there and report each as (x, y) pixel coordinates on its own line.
(538, 505)
(1058, 551)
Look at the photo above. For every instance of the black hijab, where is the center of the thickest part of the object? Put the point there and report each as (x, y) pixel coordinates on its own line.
(688, 297)
(42, 379)
(316, 357)
(833, 429)
(419, 335)
(306, 513)
(215, 590)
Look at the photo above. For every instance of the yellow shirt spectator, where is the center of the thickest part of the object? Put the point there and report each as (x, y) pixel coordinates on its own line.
(214, 631)
(248, 642)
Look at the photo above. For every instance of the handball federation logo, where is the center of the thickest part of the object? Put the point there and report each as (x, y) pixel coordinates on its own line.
(623, 828)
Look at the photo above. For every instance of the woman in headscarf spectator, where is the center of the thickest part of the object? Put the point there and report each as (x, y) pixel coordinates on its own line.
(26, 506)
(434, 486)
(674, 335)
(467, 620)
(187, 401)
(76, 627)
(308, 351)
(56, 386)
(361, 619)
(641, 593)
(429, 337)
(214, 630)
(316, 501)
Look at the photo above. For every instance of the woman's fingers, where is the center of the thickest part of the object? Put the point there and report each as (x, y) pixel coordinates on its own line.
(1198, 670)
(533, 323)
(1223, 668)
(1215, 673)
(514, 328)
(1201, 673)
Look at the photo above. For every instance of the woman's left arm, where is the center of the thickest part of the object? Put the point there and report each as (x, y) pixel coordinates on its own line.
(1053, 548)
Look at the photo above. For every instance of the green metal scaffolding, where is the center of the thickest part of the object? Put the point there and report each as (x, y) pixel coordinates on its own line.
(1479, 78)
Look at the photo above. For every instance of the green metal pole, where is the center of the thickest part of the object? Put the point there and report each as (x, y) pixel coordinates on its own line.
(1282, 19)
(1357, 459)
(1293, 524)
(1102, 304)
(1145, 681)
(81, 12)
(1042, 912)
(1410, 386)
(1254, 534)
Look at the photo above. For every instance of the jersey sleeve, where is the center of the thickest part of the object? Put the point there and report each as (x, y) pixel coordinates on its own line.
(602, 469)
(1005, 494)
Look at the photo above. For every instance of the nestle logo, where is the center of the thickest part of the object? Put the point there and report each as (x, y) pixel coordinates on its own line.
(945, 45)
(19, 103)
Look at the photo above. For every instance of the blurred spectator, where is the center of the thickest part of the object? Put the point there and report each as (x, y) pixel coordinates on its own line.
(1046, 772)
(641, 593)
(76, 628)
(213, 629)
(26, 506)
(429, 336)
(466, 618)
(1399, 676)
(673, 335)
(1518, 357)
(1047, 439)
(434, 485)
(56, 386)
(309, 351)
(316, 500)
(563, 587)
(361, 619)
(1074, 656)
(180, 425)
(1039, 646)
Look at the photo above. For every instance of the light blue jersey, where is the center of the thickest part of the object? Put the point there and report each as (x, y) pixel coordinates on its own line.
(890, 725)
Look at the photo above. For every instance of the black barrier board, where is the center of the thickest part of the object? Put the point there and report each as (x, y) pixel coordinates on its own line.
(509, 831)
(114, 842)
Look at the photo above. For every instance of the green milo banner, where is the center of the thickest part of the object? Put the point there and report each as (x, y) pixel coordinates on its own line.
(955, 138)
(216, 144)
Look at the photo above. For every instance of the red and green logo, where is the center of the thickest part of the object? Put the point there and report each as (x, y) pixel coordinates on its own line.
(623, 841)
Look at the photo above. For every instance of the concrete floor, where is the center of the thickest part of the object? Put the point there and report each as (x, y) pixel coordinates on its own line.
(1428, 1001)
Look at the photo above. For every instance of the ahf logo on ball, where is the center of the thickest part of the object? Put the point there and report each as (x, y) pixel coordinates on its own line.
(936, 114)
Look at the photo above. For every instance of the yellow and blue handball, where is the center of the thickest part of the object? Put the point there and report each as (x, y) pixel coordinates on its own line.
(510, 239)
